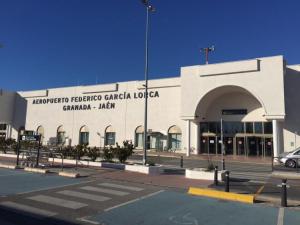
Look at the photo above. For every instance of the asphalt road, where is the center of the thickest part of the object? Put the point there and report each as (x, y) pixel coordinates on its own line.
(30, 199)
(50, 199)
(238, 169)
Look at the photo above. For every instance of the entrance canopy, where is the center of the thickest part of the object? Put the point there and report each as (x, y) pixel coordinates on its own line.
(230, 103)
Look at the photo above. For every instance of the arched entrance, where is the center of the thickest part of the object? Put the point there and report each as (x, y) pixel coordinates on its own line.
(238, 116)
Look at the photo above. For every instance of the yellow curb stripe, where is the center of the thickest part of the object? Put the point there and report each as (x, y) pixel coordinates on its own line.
(246, 198)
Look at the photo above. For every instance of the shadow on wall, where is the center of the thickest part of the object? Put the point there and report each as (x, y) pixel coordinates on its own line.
(292, 100)
(20, 110)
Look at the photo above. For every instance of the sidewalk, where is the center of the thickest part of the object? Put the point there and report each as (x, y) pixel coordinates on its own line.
(266, 191)
(213, 157)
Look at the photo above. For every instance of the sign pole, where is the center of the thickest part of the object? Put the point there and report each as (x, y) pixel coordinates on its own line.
(18, 150)
(38, 151)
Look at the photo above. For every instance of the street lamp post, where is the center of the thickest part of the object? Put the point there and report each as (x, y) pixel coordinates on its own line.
(149, 8)
(98, 133)
(222, 146)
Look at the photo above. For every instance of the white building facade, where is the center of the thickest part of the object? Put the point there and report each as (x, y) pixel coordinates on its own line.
(255, 102)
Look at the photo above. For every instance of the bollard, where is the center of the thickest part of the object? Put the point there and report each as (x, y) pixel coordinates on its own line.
(223, 164)
(283, 193)
(181, 161)
(216, 176)
(227, 181)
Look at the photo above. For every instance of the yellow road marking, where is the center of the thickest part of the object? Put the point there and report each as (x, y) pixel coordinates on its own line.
(222, 195)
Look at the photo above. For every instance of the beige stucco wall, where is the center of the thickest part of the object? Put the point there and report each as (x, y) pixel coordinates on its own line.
(264, 86)
(262, 77)
(128, 114)
(291, 125)
(13, 112)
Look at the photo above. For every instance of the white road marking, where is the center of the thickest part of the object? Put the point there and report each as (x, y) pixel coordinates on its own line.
(27, 209)
(184, 220)
(121, 186)
(87, 220)
(134, 200)
(54, 187)
(58, 201)
(280, 216)
(104, 190)
(82, 195)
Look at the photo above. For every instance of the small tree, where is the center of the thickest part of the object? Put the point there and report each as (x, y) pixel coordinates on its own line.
(93, 153)
(122, 153)
(108, 154)
(6, 144)
(66, 151)
(80, 150)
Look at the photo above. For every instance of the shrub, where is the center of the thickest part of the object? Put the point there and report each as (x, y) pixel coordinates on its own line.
(66, 151)
(6, 144)
(122, 153)
(81, 150)
(150, 163)
(93, 153)
(210, 166)
(108, 154)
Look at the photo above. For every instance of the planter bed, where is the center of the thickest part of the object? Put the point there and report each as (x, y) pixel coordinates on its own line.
(152, 170)
(203, 174)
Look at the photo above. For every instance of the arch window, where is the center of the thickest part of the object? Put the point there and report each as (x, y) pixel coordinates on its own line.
(84, 135)
(61, 135)
(174, 137)
(110, 136)
(139, 137)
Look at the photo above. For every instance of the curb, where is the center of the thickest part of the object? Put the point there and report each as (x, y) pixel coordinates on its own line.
(245, 198)
(36, 170)
(265, 198)
(6, 166)
(288, 175)
(68, 174)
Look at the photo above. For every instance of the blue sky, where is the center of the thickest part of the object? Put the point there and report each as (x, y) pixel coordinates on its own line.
(56, 43)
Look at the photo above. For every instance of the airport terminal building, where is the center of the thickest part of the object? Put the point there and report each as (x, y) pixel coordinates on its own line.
(256, 102)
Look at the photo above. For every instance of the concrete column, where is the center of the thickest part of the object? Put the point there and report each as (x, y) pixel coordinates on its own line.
(275, 138)
(188, 137)
(197, 137)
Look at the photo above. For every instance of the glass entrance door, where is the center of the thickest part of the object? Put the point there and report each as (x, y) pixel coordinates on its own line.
(208, 144)
(228, 145)
(255, 146)
(240, 146)
(268, 146)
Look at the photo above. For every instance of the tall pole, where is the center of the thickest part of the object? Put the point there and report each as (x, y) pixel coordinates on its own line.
(296, 133)
(207, 51)
(206, 55)
(149, 8)
(222, 145)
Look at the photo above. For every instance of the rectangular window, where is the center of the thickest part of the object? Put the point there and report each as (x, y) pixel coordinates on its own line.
(3, 126)
(213, 127)
(258, 127)
(268, 128)
(110, 138)
(204, 127)
(249, 127)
